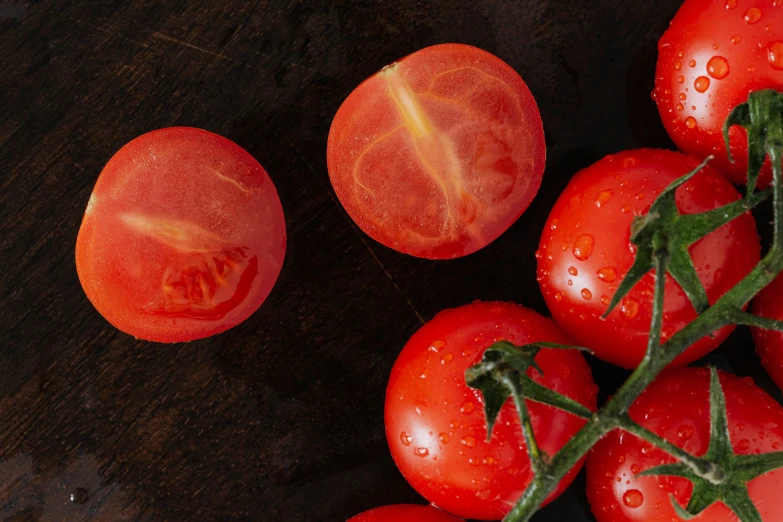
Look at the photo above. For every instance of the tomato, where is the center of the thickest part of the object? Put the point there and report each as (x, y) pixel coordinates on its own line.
(404, 512)
(677, 407)
(585, 251)
(183, 236)
(713, 55)
(439, 153)
(769, 343)
(435, 423)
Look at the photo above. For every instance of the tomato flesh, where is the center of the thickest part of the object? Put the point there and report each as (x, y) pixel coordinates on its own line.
(769, 343)
(435, 423)
(712, 56)
(404, 512)
(183, 236)
(585, 252)
(676, 407)
(439, 153)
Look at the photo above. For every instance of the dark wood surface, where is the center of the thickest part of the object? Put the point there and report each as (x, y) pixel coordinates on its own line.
(281, 418)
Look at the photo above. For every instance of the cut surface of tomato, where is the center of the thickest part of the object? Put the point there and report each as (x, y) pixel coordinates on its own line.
(183, 236)
(439, 153)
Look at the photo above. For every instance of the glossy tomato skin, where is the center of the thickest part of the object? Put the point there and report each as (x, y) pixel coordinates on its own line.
(435, 423)
(713, 55)
(404, 513)
(676, 407)
(769, 343)
(439, 153)
(585, 251)
(183, 236)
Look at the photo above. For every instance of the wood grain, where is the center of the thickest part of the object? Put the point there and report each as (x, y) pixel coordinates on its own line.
(279, 419)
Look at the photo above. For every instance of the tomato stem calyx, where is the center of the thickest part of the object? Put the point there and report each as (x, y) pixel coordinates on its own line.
(662, 239)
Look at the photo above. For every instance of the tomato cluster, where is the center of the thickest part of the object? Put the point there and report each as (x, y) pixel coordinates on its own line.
(436, 156)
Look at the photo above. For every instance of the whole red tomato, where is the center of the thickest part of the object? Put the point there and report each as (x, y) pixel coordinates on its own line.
(404, 513)
(713, 55)
(676, 407)
(435, 423)
(439, 153)
(769, 343)
(585, 251)
(183, 236)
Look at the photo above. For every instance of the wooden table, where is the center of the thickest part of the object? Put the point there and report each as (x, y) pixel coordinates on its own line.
(281, 418)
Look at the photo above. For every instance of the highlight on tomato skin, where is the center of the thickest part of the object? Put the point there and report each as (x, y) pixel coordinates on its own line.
(439, 153)
(404, 513)
(585, 251)
(676, 407)
(183, 236)
(769, 343)
(435, 423)
(712, 56)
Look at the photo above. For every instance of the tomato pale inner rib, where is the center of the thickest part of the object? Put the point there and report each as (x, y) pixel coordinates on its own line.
(405, 99)
(184, 236)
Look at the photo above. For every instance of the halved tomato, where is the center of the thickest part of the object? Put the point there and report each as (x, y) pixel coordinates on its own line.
(183, 236)
(439, 153)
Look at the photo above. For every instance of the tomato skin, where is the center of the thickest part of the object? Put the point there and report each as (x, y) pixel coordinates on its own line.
(183, 237)
(404, 512)
(439, 153)
(727, 50)
(585, 251)
(676, 407)
(769, 343)
(435, 423)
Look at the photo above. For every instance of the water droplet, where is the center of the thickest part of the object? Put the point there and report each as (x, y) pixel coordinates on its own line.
(776, 445)
(437, 345)
(570, 283)
(633, 498)
(444, 438)
(680, 54)
(583, 247)
(752, 15)
(736, 39)
(454, 424)
(631, 162)
(682, 96)
(718, 67)
(635, 468)
(625, 209)
(586, 294)
(605, 299)
(466, 408)
(640, 196)
(701, 84)
(473, 461)
(743, 445)
(731, 4)
(558, 296)
(554, 224)
(79, 496)
(607, 274)
(573, 271)
(680, 107)
(630, 307)
(603, 198)
(685, 432)
(468, 441)
(621, 459)
(690, 122)
(681, 79)
(741, 426)
(421, 452)
(446, 359)
(406, 438)
(488, 461)
(775, 55)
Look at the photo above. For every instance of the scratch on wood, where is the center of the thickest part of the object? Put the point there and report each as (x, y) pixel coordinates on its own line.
(358, 233)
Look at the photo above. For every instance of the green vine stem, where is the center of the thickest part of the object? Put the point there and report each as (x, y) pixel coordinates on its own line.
(662, 237)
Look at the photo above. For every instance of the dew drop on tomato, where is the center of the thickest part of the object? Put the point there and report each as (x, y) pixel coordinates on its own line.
(583, 247)
(752, 15)
(775, 55)
(731, 4)
(633, 498)
(718, 67)
(690, 122)
(701, 84)
(183, 236)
